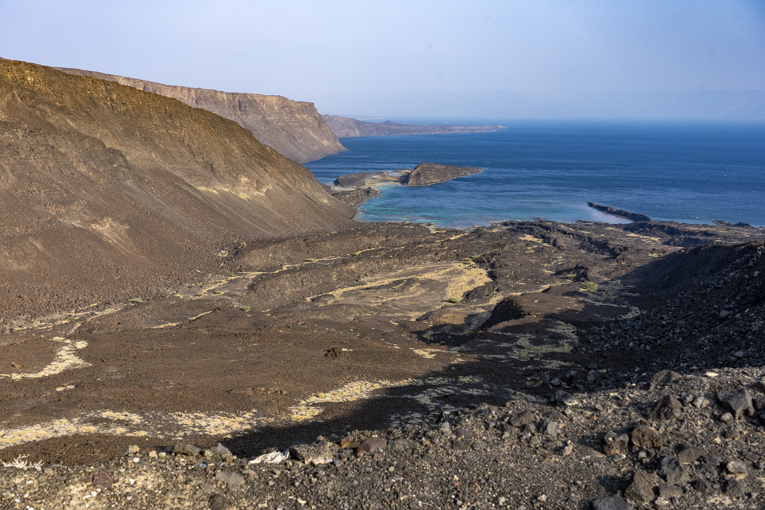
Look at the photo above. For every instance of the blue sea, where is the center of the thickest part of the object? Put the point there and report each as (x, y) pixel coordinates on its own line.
(688, 172)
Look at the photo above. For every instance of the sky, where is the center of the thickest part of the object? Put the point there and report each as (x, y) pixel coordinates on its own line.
(539, 58)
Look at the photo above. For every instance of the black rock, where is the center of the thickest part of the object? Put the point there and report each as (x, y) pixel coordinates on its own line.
(611, 503)
(506, 310)
(735, 489)
(645, 437)
(664, 377)
(615, 444)
(373, 444)
(689, 454)
(668, 408)
(670, 491)
(738, 402)
(524, 418)
(674, 472)
(701, 485)
(461, 445)
(549, 428)
(640, 489)
(563, 398)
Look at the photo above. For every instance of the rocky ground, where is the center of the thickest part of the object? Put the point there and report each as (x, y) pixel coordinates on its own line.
(523, 365)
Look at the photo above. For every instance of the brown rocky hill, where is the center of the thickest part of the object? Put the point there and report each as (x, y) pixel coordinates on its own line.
(294, 128)
(106, 191)
(345, 127)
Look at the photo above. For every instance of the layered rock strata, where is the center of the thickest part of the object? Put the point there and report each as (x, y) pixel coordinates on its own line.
(294, 128)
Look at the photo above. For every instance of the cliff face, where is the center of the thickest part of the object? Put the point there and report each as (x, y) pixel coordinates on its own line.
(106, 190)
(345, 127)
(294, 128)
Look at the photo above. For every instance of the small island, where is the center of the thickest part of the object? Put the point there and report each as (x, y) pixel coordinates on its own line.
(355, 189)
(424, 174)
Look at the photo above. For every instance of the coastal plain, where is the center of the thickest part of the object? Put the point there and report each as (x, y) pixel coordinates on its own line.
(190, 319)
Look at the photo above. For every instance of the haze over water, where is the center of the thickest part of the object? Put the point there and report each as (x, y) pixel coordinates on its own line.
(688, 172)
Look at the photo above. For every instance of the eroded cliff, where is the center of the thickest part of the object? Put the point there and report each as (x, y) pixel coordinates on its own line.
(294, 128)
(106, 190)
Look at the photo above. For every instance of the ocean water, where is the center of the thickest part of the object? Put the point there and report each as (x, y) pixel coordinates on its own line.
(689, 172)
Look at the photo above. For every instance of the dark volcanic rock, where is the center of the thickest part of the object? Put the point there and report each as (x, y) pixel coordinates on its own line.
(611, 503)
(643, 436)
(668, 408)
(426, 174)
(506, 310)
(673, 471)
(614, 444)
(372, 444)
(689, 454)
(664, 377)
(735, 489)
(738, 402)
(641, 488)
(524, 418)
(621, 213)
(355, 197)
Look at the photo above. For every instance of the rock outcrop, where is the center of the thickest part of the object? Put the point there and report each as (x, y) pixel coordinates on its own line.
(426, 174)
(106, 190)
(294, 128)
(345, 127)
(621, 213)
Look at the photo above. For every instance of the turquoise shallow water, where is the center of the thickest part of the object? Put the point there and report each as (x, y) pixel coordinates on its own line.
(670, 171)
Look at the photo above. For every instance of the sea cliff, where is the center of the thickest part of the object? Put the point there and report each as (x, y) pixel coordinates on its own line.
(294, 128)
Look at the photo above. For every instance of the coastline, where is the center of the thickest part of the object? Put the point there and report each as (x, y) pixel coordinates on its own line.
(551, 170)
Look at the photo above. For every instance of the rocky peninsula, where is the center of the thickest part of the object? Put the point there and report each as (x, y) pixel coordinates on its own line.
(189, 319)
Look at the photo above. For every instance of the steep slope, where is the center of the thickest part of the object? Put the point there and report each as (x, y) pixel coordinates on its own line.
(294, 128)
(345, 127)
(106, 190)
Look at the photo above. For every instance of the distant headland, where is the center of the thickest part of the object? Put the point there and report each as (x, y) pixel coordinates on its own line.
(345, 127)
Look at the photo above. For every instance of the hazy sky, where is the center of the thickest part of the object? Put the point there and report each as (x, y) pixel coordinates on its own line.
(342, 53)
